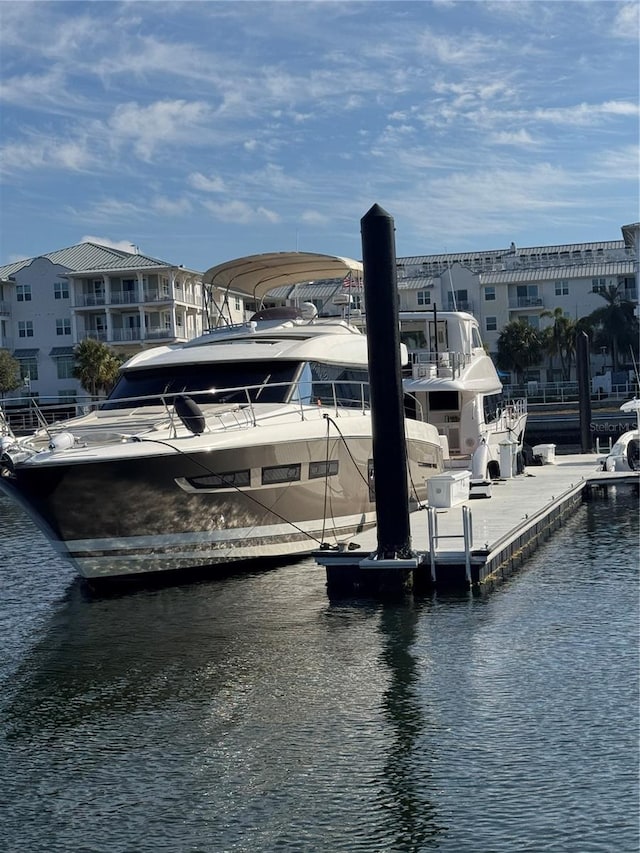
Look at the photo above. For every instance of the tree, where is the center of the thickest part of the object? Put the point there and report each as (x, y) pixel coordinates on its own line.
(96, 366)
(9, 372)
(519, 346)
(560, 340)
(614, 326)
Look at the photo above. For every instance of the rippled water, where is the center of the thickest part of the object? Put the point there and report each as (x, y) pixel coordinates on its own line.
(252, 714)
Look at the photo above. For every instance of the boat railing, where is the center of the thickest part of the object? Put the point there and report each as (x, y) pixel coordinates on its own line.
(338, 395)
(430, 364)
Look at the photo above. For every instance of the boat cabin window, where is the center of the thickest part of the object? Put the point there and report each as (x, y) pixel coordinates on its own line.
(264, 382)
(492, 404)
(334, 384)
(443, 401)
(243, 382)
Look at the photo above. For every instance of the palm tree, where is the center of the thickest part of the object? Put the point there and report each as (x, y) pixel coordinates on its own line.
(519, 346)
(614, 325)
(560, 340)
(96, 366)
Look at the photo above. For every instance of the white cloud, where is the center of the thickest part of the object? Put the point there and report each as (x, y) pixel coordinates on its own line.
(122, 245)
(158, 124)
(212, 184)
(315, 218)
(626, 22)
(45, 153)
(518, 138)
(240, 212)
(171, 206)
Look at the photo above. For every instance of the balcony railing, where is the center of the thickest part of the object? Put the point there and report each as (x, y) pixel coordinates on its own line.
(526, 302)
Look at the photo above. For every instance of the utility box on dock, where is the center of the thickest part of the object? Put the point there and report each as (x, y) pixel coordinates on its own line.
(446, 490)
(547, 452)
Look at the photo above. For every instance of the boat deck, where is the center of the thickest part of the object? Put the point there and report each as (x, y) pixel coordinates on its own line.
(502, 530)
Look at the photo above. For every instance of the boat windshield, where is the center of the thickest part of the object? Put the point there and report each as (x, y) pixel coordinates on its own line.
(213, 382)
(243, 382)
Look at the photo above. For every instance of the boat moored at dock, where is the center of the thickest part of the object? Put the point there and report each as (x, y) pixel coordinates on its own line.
(453, 384)
(253, 440)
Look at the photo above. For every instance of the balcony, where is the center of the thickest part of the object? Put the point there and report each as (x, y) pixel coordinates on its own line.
(123, 297)
(89, 300)
(96, 334)
(526, 302)
(461, 305)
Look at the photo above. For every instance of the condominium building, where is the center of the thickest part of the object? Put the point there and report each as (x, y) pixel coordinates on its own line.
(128, 301)
(131, 301)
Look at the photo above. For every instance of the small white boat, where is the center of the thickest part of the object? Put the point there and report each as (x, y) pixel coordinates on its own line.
(625, 453)
(253, 440)
(455, 386)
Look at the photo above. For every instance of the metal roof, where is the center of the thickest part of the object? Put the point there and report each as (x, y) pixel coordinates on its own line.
(59, 352)
(584, 270)
(26, 353)
(90, 257)
(445, 259)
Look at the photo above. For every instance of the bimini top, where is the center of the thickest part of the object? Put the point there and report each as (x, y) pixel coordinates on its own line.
(256, 275)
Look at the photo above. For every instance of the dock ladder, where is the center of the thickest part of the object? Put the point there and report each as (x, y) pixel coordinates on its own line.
(466, 536)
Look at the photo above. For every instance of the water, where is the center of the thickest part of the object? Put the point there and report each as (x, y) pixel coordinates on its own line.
(251, 714)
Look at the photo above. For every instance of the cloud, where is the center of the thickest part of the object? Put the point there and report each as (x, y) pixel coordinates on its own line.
(45, 152)
(315, 218)
(157, 124)
(518, 138)
(626, 22)
(240, 212)
(121, 245)
(171, 206)
(212, 184)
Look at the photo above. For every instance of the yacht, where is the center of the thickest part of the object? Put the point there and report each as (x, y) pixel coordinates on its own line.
(625, 453)
(453, 384)
(252, 440)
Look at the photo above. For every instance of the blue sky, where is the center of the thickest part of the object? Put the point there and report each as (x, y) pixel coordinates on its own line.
(202, 131)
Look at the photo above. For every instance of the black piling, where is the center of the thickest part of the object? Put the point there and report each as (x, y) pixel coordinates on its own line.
(584, 390)
(385, 382)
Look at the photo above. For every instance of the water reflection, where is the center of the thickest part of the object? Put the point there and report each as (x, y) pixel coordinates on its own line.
(407, 784)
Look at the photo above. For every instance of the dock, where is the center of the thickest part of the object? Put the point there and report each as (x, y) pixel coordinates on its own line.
(478, 542)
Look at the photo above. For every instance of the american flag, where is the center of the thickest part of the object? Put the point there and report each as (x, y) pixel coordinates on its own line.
(351, 281)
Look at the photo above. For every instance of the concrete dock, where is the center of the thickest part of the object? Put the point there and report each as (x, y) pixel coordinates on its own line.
(501, 532)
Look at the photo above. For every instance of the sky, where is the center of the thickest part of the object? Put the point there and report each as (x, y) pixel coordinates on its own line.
(203, 131)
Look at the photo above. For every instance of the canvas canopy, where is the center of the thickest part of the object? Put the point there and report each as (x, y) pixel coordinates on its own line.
(256, 275)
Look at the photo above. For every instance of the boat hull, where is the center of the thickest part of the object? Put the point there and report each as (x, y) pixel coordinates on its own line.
(176, 510)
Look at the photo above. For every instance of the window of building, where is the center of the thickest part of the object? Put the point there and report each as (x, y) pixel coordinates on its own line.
(489, 294)
(64, 367)
(68, 396)
(28, 368)
(562, 288)
(424, 297)
(61, 289)
(63, 327)
(237, 303)
(25, 328)
(598, 285)
(356, 301)
(490, 324)
(458, 299)
(531, 320)
(23, 292)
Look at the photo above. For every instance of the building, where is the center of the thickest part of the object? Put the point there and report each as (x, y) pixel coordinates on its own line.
(128, 301)
(502, 285)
